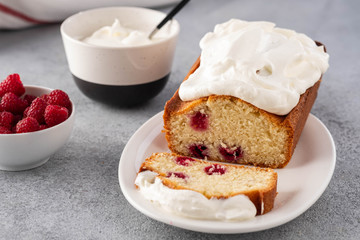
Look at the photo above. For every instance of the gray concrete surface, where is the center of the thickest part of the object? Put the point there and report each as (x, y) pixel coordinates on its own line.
(76, 195)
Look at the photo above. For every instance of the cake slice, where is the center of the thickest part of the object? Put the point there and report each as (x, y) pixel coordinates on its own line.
(241, 186)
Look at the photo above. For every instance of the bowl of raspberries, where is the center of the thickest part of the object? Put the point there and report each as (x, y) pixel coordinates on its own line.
(35, 122)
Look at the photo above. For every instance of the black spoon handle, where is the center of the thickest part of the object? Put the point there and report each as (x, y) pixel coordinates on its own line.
(176, 9)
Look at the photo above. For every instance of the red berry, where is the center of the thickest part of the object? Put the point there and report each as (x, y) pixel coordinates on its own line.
(55, 114)
(45, 97)
(198, 151)
(4, 130)
(12, 84)
(184, 161)
(12, 103)
(215, 169)
(37, 110)
(199, 121)
(43, 126)
(29, 98)
(177, 174)
(26, 111)
(27, 124)
(59, 97)
(6, 119)
(232, 154)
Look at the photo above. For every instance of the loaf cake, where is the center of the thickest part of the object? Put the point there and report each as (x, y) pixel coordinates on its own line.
(230, 129)
(212, 181)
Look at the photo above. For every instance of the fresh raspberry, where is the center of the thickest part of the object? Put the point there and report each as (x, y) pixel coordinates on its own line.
(4, 130)
(231, 154)
(12, 103)
(177, 174)
(215, 169)
(27, 124)
(55, 114)
(6, 119)
(59, 97)
(198, 150)
(43, 126)
(37, 110)
(26, 111)
(12, 84)
(45, 97)
(184, 161)
(199, 121)
(29, 98)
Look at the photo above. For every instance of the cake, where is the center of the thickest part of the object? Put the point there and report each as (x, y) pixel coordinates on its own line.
(252, 113)
(240, 190)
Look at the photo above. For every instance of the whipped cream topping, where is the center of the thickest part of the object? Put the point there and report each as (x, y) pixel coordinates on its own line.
(118, 35)
(266, 66)
(192, 204)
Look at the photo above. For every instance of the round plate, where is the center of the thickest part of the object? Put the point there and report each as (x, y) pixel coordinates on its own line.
(300, 183)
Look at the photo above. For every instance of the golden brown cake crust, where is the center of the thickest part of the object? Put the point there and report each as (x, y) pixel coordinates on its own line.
(294, 121)
(262, 199)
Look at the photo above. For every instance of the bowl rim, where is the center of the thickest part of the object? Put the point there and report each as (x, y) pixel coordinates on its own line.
(77, 41)
(46, 129)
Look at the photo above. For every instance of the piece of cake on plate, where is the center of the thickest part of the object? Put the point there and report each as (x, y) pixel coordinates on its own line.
(206, 190)
(248, 96)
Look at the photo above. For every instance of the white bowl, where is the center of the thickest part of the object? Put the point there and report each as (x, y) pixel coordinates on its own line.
(124, 75)
(23, 151)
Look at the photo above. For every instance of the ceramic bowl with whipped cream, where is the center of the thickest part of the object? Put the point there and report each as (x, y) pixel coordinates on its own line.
(111, 56)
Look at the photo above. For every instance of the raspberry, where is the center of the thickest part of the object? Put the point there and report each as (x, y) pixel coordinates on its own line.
(177, 174)
(55, 114)
(232, 154)
(26, 112)
(12, 103)
(59, 97)
(198, 151)
(199, 121)
(30, 113)
(45, 97)
(43, 126)
(215, 169)
(184, 161)
(29, 98)
(6, 119)
(37, 110)
(27, 124)
(12, 84)
(4, 130)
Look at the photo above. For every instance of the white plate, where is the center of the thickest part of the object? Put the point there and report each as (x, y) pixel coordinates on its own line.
(300, 183)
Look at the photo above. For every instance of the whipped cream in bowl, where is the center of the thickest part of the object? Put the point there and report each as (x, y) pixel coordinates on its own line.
(111, 58)
(118, 35)
(257, 62)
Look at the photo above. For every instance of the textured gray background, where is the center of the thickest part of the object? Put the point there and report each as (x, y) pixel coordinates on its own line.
(76, 194)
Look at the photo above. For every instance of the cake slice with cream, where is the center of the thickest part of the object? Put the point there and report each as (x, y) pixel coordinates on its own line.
(205, 190)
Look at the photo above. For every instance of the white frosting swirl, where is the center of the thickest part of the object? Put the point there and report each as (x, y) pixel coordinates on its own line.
(117, 35)
(266, 66)
(193, 204)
